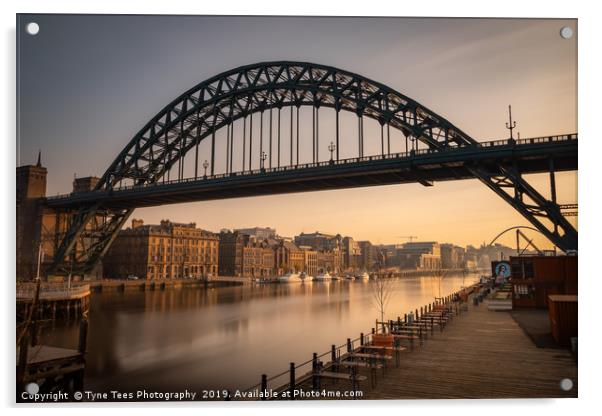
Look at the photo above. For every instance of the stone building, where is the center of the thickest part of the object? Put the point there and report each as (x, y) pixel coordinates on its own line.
(231, 246)
(165, 251)
(39, 229)
(369, 256)
(330, 260)
(351, 253)
(31, 188)
(258, 258)
(319, 241)
(289, 258)
(452, 256)
(261, 233)
(420, 255)
(310, 260)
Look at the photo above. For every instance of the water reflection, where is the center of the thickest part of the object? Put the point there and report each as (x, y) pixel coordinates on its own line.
(199, 338)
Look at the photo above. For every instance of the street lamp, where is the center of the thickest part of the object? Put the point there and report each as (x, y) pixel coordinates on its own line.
(263, 157)
(205, 166)
(332, 148)
(512, 125)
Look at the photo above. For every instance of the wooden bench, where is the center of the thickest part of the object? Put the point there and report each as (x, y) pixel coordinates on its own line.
(362, 364)
(353, 378)
(341, 376)
(407, 337)
(372, 356)
(384, 348)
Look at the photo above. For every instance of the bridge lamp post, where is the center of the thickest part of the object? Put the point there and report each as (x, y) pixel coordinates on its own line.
(512, 125)
(205, 166)
(331, 148)
(263, 157)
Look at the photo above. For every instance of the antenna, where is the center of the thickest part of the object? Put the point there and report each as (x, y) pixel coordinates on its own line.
(411, 238)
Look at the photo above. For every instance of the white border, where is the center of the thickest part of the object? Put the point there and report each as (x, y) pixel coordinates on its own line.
(589, 167)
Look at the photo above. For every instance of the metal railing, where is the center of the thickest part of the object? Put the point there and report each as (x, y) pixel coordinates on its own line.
(52, 290)
(333, 162)
(301, 373)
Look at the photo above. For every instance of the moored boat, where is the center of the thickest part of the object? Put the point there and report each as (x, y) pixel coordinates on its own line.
(323, 277)
(306, 277)
(290, 278)
(363, 276)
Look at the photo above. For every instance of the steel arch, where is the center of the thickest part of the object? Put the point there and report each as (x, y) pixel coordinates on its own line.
(220, 100)
(231, 95)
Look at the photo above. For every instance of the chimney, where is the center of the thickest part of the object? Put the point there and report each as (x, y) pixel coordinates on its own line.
(137, 223)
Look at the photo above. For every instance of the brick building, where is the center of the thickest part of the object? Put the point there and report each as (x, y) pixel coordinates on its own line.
(258, 258)
(165, 251)
(231, 246)
(310, 260)
(39, 226)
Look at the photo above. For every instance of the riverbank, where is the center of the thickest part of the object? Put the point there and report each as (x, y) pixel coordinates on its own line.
(105, 285)
(481, 354)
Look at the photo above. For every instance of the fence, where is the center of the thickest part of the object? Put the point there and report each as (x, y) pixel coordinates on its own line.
(300, 373)
(52, 290)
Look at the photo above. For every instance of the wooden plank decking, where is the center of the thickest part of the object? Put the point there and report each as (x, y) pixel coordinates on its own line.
(480, 354)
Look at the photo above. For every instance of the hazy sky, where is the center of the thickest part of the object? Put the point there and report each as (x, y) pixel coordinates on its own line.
(87, 84)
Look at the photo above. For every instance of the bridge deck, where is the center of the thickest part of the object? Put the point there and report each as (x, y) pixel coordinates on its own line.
(480, 354)
(528, 155)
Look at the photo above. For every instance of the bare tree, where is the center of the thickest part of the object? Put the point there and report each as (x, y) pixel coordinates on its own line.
(438, 276)
(382, 289)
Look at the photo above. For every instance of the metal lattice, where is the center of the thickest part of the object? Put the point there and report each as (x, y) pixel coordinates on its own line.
(221, 100)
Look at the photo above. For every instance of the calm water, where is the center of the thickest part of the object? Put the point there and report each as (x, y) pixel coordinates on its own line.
(225, 338)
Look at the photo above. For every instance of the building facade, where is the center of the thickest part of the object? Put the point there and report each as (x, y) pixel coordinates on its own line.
(351, 253)
(369, 256)
(289, 258)
(310, 260)
(319, 241)
(452, 257)
(165, 251)
(420, 255)
(231, 246)
(329, 260)
(261, 233)
(258, 259)
(39, 229)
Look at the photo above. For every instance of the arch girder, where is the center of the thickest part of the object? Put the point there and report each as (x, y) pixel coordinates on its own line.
(301, 84)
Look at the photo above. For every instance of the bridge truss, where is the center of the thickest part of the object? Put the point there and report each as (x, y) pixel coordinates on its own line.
(277, 91)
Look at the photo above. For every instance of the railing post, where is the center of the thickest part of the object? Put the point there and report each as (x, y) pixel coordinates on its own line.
(348, 344)
(314, 379)
(432, 325)
(264, 386)
(373, 331)
(292, 381)
(83, 335)
(361, 338)
(333, 353)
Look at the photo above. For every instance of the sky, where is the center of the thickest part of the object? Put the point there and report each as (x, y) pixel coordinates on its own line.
(87, 84)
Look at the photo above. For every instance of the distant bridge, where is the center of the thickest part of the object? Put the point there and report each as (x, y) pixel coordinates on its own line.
(269, 159)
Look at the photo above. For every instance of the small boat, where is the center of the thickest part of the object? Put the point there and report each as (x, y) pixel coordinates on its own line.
(323, 277)
(306, 277)
(363, 276)
(290, 278)
(334, 277)
(349, 277)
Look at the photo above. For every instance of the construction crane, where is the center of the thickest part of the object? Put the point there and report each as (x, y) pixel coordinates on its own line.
(409, 237)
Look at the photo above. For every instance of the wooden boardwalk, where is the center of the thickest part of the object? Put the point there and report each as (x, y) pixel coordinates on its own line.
(480, 354)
